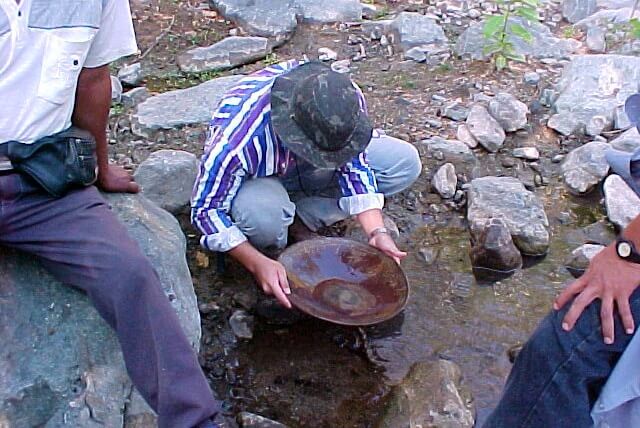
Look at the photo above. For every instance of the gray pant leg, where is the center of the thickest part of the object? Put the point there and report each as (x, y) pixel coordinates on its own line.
(396, 165)
(263, 212)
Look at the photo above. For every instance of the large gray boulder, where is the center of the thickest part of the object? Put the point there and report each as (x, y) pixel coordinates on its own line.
(575, 10)
(628, 141)
(510, 112)
(506, 198)
(61, 364)
(167, 178)
(544, 44)
(437, 150)
(225, 54)
(431, 395)
(592, 87)
(485, 129)
(414, 29)
(181, 107)
(585, 167)
(622, 203)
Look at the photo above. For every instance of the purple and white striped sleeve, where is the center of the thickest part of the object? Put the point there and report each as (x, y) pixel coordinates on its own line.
(359, 188)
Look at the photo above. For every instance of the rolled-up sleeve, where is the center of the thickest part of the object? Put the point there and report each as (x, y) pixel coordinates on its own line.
(359, 188)
(221, 175)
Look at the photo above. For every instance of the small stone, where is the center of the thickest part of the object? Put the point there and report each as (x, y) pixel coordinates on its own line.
(353, 40)
(415, 54)
(445, 181)
(528, 153)
(326, 54)
(585, 166)
(532, 78)
(485, 129)
(438, 98)
(242, 324)
(250, 420)
(116, 89)
(482, 98)
(494, 248)
(228, 53)
(579, 260)
(384, 40)
(430, 255)
(456, 111)
(508, 162)
(622, 203)
(596, 39)
(434, 123)
(510, 113)
(134, 97)
(131, 74)
(342, 66)
(620, 119)
(597, 125)
(557, 158)
(463, 134)
(474, 13)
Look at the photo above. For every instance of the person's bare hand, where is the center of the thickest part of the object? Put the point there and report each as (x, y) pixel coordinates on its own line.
(609, 279)
(115, 179)
(385, 243)
(272, 278)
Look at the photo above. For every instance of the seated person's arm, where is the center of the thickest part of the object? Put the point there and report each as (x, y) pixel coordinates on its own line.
(91, 112)
(362, 199)
(610, 279)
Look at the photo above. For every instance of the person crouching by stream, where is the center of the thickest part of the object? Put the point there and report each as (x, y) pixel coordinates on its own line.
(293, 140)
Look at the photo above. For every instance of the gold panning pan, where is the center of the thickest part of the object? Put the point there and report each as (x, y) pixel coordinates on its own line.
(344, 281)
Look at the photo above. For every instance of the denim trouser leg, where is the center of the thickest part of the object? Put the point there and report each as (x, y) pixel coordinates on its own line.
(82, 243)
(558, 375)
(263, 209)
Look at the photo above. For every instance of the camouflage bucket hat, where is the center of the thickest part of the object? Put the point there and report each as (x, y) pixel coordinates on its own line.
(316, 113)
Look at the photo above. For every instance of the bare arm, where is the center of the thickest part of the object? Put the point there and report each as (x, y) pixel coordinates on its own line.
(370, 220)
(610, 279)
(270, 274)
(91, 112)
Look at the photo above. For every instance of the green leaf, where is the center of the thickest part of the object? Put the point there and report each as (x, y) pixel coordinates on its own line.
(531, 3)
(528, 13)
(492, 25)
(501, 62)
(491, 49)
(520, 31)
(516, 57)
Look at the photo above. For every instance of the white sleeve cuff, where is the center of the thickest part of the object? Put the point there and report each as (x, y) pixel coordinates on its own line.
(224, 240)
(357, 204)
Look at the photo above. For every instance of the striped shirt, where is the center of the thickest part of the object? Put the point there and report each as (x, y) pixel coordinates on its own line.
(241, 145)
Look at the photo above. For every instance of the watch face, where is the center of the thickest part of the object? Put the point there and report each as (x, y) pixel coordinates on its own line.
(624, 249)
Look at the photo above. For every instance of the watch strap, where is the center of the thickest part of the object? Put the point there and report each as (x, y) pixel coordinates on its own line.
(634, 257)
(379, 230)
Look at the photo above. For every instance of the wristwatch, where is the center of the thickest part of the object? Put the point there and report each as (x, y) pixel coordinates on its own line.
(627, 251)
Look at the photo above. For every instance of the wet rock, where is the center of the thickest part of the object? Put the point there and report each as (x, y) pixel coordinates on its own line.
(456, 111)
(167, 178)
(531, 78)
(485, 129)
(579, 260)
(585, 167)
(575, 10)
(430, 255)
(116, 89)
(628, 141)
(431, 395)
(131, 74)
(250, 420)
(494, 248)
(271, 311)
(445, 181)
(181, 107)
(520, 209)
(225, 54)
(134, 97)
(528, 153)
(592, 86)
(70, 371)
(510, 113)
(622, 203)
(414, 29)
(544, 44)
(456, 152)
(596, 39)
(242, 324)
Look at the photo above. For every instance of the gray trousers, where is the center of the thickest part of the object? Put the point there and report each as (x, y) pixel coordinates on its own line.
(264, 208)
(82, 243)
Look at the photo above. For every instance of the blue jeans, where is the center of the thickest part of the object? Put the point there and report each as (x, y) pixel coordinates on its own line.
(264, 208)
(558, 375)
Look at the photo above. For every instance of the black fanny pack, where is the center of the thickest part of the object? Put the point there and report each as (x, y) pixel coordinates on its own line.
(57, 163)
